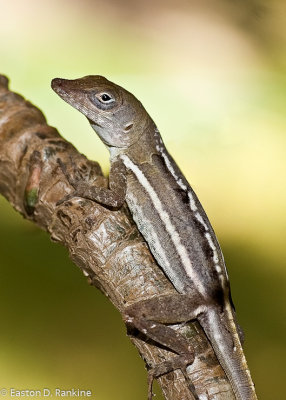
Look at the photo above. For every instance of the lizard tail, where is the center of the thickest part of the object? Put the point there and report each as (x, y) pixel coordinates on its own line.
(228, 350)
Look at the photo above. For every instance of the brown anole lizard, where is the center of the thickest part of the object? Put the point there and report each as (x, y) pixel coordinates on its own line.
(171, 219)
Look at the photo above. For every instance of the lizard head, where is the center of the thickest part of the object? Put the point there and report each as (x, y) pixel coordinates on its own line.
(115, 114)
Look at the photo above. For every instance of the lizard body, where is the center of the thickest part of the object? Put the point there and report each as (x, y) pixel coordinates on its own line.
(170, 218)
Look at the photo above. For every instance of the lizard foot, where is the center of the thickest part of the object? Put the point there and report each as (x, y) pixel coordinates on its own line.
(178, 362)
(71, 180)
(79, 180)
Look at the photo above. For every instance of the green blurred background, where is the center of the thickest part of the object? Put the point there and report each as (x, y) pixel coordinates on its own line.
(212, 75)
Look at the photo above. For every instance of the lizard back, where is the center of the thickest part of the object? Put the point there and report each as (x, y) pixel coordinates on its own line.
(175, 226)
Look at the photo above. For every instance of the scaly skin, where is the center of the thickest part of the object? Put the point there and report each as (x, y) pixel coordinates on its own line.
(173, 223)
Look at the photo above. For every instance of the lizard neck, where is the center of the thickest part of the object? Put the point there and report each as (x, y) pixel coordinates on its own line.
(148, 144)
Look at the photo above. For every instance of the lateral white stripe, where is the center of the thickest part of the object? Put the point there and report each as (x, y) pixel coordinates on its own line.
(154, 240)
(182, 252)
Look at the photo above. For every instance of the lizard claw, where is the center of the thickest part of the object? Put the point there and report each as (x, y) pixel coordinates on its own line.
(179, 362)
(67, 198)
(63, 167)
(150, 385)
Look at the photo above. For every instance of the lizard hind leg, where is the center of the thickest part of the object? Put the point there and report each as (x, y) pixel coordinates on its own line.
(178, 362)
(151, 316)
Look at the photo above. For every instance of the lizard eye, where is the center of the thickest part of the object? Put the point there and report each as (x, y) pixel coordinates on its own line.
(105, 98)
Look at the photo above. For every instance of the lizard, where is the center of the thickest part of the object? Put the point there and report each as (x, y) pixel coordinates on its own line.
(174, 224)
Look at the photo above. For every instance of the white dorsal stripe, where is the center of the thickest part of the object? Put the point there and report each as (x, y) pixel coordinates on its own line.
(177, 179)
(174, 236)
(194, 208)
(201, 220)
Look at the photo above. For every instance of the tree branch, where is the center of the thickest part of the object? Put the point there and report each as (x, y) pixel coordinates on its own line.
(105, 244)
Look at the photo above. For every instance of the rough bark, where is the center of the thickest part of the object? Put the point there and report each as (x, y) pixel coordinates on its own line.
(105, 244)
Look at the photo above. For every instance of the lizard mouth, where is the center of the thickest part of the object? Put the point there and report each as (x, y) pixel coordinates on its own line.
(68, 91)
(94, 123)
